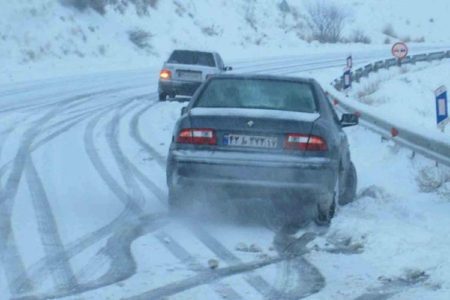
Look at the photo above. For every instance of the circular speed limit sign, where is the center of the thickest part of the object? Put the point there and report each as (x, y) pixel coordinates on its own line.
(400, 50)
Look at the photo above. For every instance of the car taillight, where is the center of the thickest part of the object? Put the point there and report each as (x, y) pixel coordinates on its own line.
(304, 142)
(165, 74)
(198, 136)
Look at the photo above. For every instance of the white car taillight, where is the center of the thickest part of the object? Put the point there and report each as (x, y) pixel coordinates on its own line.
(295, 141)
(198, 136)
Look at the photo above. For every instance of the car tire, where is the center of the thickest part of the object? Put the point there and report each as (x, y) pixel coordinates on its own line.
(349, 190)
(325, 214)
(162, 96)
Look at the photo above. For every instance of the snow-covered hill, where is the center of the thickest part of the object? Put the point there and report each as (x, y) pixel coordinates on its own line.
(48, 38)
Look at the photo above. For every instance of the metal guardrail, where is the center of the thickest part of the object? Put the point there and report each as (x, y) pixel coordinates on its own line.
(391, 62)
(428, 146)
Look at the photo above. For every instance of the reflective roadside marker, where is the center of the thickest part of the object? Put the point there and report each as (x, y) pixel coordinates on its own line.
(394, 132)
(441, 107)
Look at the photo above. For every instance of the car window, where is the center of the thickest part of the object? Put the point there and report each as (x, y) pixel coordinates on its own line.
(258, 93)
(332, 110)
(192, 58)
(220, 63)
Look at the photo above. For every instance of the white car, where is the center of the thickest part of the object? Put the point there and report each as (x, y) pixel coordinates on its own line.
(186, 70)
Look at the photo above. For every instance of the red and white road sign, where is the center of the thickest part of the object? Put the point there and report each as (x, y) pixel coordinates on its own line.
(400, 50)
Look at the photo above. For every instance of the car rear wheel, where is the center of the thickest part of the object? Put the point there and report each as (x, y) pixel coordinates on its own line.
(325, 214)
(162, 97)
(349, 190)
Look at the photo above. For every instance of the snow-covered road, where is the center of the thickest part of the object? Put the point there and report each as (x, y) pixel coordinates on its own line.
(83, 211)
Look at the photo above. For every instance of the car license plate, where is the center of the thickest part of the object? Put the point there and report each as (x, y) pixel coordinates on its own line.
(190, 75)
(250, 141)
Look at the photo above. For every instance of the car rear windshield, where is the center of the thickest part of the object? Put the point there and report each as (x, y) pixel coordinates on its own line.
(192, 58)
(258, 93)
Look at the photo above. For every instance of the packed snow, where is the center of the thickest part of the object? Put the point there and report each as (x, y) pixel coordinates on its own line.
(84, 139)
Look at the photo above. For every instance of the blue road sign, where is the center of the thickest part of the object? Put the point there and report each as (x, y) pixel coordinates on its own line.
(347, 79)
(441, 106)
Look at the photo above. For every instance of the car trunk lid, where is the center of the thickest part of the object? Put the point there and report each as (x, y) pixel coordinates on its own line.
(259, 130)
(189, 72)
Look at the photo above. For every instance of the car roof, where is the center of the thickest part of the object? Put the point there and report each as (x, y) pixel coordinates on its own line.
(263, 77)
(190, 50)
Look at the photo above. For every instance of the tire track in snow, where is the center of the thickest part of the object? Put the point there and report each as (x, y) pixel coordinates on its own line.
(127, 169)
(62, 273)
(125, 266)
(204, 277)
(133, 209)
(118, 250)
(118, 245)
(256, 281)
(137, 136)
(12, 262)
(38, 269)
(183, 256)
(17, 277)
(71, 122)
(391, 288)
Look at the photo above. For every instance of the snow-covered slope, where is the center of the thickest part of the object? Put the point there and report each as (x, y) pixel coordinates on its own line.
(48, 38)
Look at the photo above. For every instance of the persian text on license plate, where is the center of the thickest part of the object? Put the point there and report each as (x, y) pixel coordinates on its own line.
(250, 141)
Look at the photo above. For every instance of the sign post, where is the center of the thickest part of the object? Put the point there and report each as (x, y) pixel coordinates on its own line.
(349, 62)
(441, 107)
(400, 51)
(347, 79)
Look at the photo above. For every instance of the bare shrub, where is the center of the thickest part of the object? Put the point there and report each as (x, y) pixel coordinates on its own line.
(180, 9)
(358, 36)
(141, 6)
(406, 39)
(419, 40)
(78, 4)
(388, 30)
(81, 5)
(327, 21)
(387, 40)
(140, 38)
(100, 6)
(211, 30)
(102, 50)
(250, 17)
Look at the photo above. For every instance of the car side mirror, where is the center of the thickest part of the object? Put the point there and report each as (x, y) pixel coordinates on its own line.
(229, 68)
(184, 110)
(348, 120)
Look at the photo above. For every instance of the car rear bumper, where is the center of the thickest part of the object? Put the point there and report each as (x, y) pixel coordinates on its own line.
(175, 87)
(253, 172)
